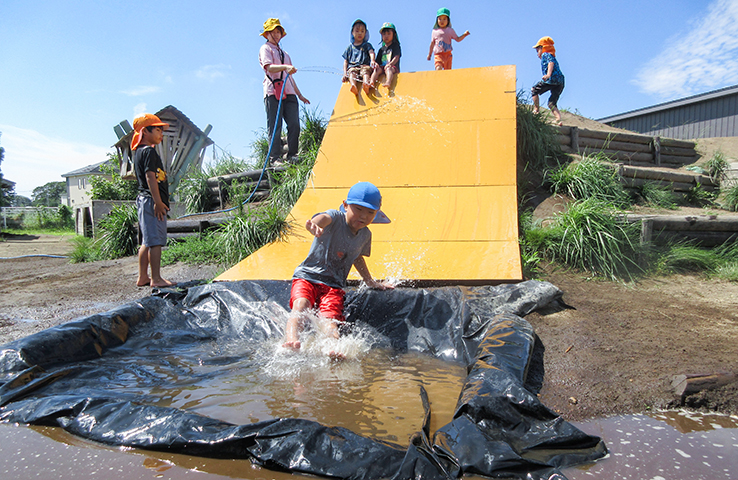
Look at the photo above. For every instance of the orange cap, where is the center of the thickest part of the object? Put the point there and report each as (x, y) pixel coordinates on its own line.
(143, 121)
(547, 44)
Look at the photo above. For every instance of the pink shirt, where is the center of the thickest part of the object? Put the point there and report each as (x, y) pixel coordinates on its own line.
(441, 38)
(269, 55)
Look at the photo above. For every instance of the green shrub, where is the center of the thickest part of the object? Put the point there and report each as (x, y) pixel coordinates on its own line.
(589, 178)
(83, 250)
(194, 192)
(590, 237)
(717, 167)
(115, 188)
(730, 198)
(657, 195)
(536, 138)
(119, 237)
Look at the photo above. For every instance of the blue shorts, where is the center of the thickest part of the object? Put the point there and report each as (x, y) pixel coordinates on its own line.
(153, 230)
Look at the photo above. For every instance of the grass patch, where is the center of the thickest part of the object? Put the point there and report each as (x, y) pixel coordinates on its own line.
(656, 195)
(589, 237)
(590, 178)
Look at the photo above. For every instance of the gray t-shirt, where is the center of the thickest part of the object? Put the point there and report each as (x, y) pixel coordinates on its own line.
(334, 252)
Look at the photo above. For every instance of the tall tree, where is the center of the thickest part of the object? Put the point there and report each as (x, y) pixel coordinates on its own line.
(49, 195)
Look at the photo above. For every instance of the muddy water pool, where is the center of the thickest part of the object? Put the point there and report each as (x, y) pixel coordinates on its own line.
(375, 393)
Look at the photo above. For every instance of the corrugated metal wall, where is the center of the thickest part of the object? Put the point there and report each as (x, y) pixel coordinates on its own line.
(714, 117)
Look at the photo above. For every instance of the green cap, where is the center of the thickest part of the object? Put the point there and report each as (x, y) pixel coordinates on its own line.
(387, 25)
(443, 11)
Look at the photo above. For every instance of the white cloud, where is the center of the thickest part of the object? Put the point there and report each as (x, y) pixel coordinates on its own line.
(33, 159)
(142, 90)
(139, 109)
(705, 58)
(211, 72)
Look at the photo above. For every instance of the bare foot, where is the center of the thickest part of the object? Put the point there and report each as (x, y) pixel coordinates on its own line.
(354, 90)
(367, 88)
(337, 356)
(292, 345)
(143, 282)
(161, 283)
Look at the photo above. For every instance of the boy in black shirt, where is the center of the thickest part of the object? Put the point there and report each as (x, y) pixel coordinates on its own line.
(153, 198)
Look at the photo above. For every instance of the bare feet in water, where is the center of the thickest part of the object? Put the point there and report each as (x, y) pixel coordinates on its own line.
(292, 345)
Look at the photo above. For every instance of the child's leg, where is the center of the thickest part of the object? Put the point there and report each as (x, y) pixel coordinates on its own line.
(295, 323)
(375, 75)
(389, 77)
(143, 267)
(155, 263)
(536, 106)
(366, 78)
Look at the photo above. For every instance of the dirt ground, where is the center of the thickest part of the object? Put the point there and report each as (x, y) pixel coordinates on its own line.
(615, 352)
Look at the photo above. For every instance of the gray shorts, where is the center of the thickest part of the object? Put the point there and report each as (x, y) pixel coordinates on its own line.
(153, 230)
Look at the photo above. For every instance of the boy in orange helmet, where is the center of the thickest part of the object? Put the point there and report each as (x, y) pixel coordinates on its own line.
(552, 80)
(153, 197)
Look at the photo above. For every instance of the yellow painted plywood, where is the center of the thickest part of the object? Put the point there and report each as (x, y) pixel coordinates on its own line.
(442, 152)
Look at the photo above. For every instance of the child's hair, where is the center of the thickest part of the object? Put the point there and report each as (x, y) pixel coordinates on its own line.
(359, 21)
(390, 26)
(442, 11)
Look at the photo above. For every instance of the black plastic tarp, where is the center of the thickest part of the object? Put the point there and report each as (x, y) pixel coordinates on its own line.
(500, 428)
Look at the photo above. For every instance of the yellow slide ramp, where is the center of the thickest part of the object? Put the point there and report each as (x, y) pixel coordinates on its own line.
(442, 150)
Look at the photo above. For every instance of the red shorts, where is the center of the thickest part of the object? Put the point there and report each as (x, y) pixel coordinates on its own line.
(329, 300)
(444, 60)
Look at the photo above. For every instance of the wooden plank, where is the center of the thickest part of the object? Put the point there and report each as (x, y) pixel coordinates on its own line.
(679, 160)
(625, 156)
(705, 223)
(702, 239)
(563, 139)
(679, 152)
(620, 146)
(671, 142)
(613, 136)
(692, 383)
(639, 182)
(629, 171)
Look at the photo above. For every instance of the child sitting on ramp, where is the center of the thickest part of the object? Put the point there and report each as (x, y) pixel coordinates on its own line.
(388, 56)
(342, 239)
(358, 59)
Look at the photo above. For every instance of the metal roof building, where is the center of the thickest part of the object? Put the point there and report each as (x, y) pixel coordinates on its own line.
(711, 114)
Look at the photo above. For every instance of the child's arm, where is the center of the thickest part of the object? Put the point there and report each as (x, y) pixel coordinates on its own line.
(430, 51)
(297, 91)
(363, 270)
(280, 68)
(463, 36)
(372, 58)
(316, 224)
(160, 208)
(345, 71)
(550, 71)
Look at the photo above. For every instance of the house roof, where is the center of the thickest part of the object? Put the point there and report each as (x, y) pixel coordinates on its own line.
(89, 170)
(722, 92)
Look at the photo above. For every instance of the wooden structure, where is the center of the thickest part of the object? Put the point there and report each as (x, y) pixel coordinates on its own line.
(629, 148)
(711, 114)
(182, 148)
(702, 230)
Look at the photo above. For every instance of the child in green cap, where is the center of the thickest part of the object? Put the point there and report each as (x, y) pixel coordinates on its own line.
(441, 38)
(388, 56)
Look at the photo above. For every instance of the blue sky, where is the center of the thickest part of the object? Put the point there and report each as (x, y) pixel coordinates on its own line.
(71, 70)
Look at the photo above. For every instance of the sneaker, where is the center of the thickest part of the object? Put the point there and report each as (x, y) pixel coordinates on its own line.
(294, 160)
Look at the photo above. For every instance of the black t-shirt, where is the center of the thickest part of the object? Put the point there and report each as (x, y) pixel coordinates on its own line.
(145, 159)
(387, 53)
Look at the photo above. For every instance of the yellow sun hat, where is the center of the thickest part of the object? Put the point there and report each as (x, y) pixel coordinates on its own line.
(270, 25)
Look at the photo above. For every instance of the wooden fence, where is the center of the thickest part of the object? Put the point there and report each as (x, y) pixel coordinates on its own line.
(629, 148)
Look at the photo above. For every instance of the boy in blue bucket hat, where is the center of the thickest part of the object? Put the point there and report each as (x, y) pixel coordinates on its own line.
(342, 239)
